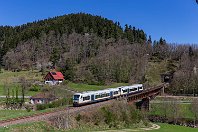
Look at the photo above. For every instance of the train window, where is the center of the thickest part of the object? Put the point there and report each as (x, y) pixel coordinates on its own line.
(86, 98)
(131, 90)
(76, 97)
(134, 89)
(124, 91)
(115, 92)
(104, 95)
(98, 96)
(140, 88)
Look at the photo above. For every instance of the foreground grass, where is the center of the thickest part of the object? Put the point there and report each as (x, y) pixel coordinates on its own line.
(30, 127)
(174, 128)
(42, 127)
(9, 114)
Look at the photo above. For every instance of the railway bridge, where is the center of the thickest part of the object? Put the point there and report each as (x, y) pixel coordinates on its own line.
(142, 99)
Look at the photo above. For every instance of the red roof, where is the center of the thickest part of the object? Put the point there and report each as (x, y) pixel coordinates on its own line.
(57, 75)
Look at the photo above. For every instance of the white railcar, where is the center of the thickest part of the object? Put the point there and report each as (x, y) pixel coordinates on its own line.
(106, 94)
(102, 95)
(82, 98)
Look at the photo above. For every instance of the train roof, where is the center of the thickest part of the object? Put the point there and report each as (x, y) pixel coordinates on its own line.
(113, 89)
(137, 85)
(108, 89)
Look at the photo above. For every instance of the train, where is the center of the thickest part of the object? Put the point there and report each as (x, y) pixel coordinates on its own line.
(90, 97)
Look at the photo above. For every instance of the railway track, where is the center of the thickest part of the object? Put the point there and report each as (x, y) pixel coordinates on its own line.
(44, 116)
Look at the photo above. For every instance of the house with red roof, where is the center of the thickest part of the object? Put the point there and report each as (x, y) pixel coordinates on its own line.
(54, 78)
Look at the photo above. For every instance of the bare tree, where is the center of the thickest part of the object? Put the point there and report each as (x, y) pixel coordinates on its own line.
(175, 110)
(194, 109)
(24, 86)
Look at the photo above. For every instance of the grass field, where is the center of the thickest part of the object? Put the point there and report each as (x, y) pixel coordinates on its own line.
(30, 127)
(43, 127)
(8, 114)
(184, 110)
(86, 87)
(11, 79)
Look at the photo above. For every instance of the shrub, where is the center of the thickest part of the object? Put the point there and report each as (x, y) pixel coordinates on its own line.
(58, 103)
(51, 105)
(78, 117)
(46, 89)
(41, 106)
(108, 116)
(117, 115)
(28, 109)
(35, 88)
(65, 82)
(54, 104)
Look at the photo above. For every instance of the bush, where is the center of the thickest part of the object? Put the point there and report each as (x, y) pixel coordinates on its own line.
(54, 104)
(28, 109)
(58, 103)
(41, 106)
(35, 88)
(109, 116)
(78, 117)
(117, 115)
(65, 82)
(46, 88)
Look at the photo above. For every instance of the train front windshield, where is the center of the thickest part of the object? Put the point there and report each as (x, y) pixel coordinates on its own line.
(76, 97)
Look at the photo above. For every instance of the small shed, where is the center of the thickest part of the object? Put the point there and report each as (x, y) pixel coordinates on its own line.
(54, 78)
(42, 98)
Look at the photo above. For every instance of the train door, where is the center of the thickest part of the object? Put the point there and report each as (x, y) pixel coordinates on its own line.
(111, 94)
(92, 97)
(120, 91)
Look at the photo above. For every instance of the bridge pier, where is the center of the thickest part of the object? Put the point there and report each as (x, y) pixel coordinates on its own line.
(143, 104)
(162, 91)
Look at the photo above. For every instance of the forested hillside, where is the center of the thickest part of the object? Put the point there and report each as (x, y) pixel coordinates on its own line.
(95, 50)
(69, 42)
(80, 23)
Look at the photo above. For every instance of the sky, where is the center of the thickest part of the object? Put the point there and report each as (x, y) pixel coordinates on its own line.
(174, 20)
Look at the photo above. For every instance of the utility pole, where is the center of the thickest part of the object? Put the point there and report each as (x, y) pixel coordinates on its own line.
(195, 73)
(195, 69)
(67, 108)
